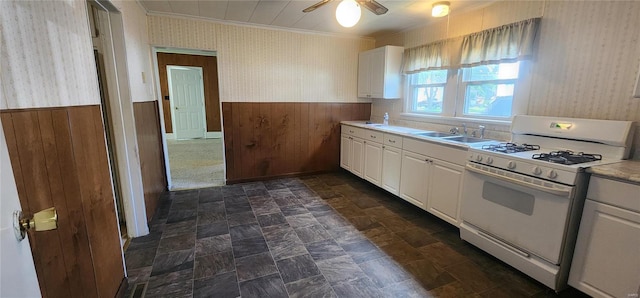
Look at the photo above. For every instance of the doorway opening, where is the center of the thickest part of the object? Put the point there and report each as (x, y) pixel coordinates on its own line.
(191, 118)
(94, 11)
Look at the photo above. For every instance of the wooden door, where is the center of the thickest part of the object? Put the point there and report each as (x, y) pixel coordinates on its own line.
(391, 161)
(357, 156)
(209, 65)
(445, 191)
(345, 152)
(187, 101)
(415, 175)
(372, 162)
(59, 159)
(17, 273)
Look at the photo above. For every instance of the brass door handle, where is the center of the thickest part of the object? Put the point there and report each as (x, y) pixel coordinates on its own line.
(44, 220)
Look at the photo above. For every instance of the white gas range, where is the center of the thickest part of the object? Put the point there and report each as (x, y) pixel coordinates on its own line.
(522, 200)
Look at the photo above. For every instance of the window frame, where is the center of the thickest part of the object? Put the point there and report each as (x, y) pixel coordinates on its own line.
(411, 98)
(520, 99)
(455, 91)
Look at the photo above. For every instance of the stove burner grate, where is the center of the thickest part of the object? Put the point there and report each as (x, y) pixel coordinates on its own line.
(510, 147)
(567, 157)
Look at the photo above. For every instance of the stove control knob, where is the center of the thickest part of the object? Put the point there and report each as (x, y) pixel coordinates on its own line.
(511, 165)
(478, 158)
(537, 171)
(489, 160)
(552, 174)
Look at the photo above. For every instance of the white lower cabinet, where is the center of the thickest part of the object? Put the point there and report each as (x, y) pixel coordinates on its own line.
(391, 165)
(606, 261)
(431, 181)
(345, 152)
(357, 156)
(445, 189)
(415, 178)
(373, 162)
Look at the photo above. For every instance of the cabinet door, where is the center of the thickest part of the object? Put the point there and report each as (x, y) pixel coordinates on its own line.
(364, 74)
(445, 189)
(376, 73)
(345, 152)
(391, 164)
(606, 261)
(373, 162)
(415, 178)
(357, 156)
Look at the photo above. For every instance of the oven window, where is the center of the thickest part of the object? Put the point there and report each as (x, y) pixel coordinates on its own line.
(513, 199)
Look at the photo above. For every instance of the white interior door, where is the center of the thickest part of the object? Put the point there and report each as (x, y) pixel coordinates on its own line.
(17, 273)
(186, 93)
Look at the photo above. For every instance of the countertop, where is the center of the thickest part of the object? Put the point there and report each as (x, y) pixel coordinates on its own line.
(411, 132)
(626, 170)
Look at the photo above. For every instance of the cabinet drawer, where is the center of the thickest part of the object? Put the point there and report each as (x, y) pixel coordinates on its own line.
(393, 140)
(350, 130)
(435, 150)
(616, 193)
(353, 131)
(374, 136)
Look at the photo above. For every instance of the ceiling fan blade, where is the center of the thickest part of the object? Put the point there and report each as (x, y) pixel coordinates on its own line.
(313, 7)
(373, 6)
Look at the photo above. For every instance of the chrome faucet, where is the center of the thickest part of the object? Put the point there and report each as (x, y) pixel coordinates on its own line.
(464, 129)
(481, 127)
(454, 130)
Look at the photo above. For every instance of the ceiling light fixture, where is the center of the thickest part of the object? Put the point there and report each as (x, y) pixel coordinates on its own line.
(440, 9)
(348, 13)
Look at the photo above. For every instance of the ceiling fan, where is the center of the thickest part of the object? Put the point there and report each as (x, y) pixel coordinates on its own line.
(371, 5)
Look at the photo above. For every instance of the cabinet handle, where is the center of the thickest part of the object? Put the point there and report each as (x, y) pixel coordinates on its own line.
(373, 137)
(392, 141)
(383, 147)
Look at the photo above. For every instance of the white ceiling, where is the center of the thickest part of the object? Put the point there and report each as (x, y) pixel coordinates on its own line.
(288, 14)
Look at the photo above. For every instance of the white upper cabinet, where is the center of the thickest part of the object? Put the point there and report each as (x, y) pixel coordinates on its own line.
(379, 73)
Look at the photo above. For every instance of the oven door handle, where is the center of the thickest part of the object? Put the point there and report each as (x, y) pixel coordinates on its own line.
(558, 192)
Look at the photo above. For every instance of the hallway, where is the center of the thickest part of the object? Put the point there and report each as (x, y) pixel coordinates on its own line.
(329, 235)
(196, 163)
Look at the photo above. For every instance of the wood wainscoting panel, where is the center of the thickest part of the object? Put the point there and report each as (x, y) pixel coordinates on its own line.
(265, 140)
(59, 159)
(154, 179)
(209, 66)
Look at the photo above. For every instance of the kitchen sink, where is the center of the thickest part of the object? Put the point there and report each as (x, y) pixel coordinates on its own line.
(434, 134)
(465, 139)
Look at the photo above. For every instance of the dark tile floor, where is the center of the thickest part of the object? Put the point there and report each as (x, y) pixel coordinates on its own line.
(330, 235)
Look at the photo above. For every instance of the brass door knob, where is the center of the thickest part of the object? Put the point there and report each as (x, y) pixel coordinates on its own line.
(44, 220)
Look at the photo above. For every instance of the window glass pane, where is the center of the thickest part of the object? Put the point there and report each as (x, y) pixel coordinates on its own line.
(489, 99)
(429, 77)
(502, 71)
(428, 99)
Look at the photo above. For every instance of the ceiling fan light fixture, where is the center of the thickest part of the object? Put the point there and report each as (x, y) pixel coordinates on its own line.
(348, 13)
(440, 9)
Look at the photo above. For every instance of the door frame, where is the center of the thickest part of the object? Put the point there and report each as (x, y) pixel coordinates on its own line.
(172, 102)
(121, 104)
(155, 49)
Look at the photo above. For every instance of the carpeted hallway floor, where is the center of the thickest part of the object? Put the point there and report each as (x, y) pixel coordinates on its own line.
(196, 163)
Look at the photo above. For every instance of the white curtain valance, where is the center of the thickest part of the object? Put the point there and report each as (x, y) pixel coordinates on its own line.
(510, 42)
(427, 57)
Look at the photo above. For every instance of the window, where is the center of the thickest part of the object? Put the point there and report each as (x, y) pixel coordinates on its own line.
(426, 91)
(488, 90)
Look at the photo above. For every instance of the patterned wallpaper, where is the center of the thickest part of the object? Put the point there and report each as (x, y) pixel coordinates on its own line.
(264, 65)
(586, 67)
(46, 56)
(138, 50)
(588, 60)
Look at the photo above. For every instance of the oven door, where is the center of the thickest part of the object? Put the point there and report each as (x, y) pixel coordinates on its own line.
(521, 211)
